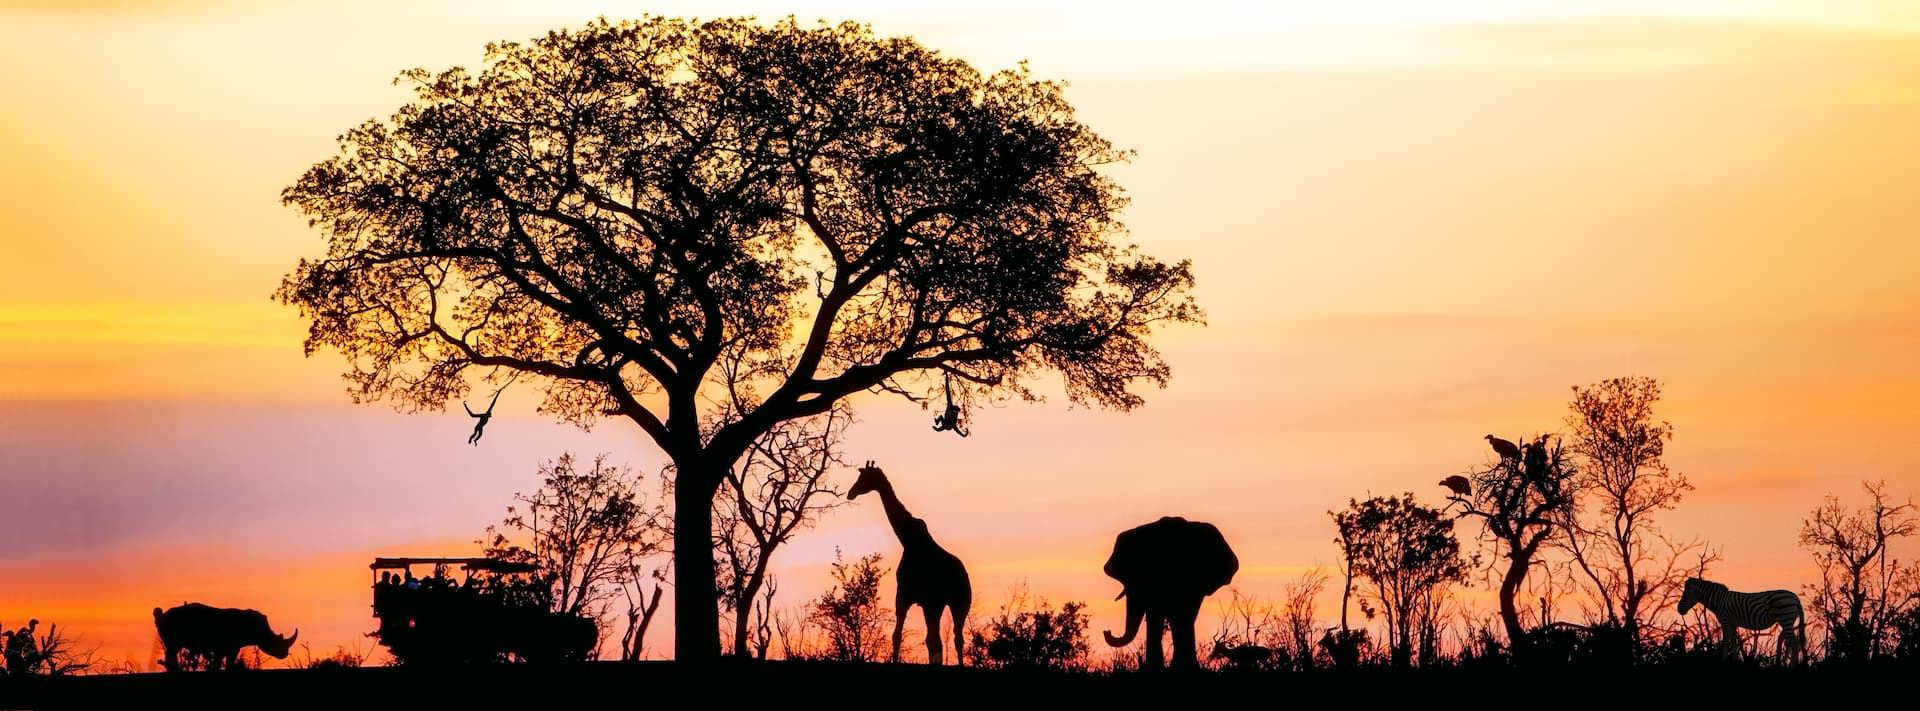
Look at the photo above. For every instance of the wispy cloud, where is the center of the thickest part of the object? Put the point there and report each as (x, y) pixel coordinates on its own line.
(202, 323)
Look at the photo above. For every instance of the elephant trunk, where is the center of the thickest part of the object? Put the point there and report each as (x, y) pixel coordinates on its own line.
(1135, 613)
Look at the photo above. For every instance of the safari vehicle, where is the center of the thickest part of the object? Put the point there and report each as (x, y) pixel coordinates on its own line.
(497, 611)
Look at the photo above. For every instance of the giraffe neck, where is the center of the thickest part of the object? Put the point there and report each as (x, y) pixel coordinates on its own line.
(897, 515)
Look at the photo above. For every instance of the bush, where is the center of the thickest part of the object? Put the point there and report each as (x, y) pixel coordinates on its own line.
(1038, 638)
(850, 613)
(1346, 649)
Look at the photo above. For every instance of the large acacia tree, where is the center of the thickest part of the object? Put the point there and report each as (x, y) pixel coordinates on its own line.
(609, 212)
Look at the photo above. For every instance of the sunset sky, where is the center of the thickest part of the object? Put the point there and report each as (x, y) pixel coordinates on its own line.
(1412, 223)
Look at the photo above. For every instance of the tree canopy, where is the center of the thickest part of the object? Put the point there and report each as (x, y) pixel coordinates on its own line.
(707, 228)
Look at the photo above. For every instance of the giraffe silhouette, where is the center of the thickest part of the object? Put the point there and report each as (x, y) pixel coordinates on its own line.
(928, 575)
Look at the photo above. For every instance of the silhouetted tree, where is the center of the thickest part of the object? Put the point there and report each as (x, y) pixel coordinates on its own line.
(1297, 615)
(850, 612)
(615, 210)
(642, 589)
(1030, 635)
(1408, 552)
(1521, 503)
(587, 530)
(1622, 483)
(777, 489)
(1863, 590)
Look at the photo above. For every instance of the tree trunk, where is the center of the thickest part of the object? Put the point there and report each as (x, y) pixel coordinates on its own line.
(1346, 600)
(696, 604)
(1518, 563)
(743, 606)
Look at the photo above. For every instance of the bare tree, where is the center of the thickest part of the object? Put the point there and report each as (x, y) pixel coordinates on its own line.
(1297, 615)
(1862, 590)
(52, 653)
(1631, 568)
(642, 604)
(1249, 634)
(764, 619)
(1521, 502)
(796, 630)
(589, 532)
(779, 488)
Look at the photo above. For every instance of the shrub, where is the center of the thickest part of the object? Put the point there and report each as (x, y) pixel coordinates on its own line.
(1036, 638)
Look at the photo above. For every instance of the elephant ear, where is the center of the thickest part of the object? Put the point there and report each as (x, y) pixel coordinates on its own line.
(1143, 551)
(1124, 564)
(1213, 559)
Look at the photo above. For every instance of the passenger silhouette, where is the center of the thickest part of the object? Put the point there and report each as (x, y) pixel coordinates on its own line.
(479, 427)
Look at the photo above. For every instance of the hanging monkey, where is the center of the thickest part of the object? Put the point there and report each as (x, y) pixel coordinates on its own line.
(949, 420)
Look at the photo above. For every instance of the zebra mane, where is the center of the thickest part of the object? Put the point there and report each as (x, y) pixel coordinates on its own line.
(1706, 584)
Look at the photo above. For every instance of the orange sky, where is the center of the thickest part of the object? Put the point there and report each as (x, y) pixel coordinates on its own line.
(1413, 223)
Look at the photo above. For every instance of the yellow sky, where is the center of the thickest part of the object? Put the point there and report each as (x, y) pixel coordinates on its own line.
(1412, 223)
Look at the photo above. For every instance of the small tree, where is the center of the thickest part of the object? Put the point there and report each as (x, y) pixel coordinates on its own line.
(850, 613)
(1026, 635)
(1408, 552)
(1632, 569)
(1863, 590)
(587, 530)
(779, 488)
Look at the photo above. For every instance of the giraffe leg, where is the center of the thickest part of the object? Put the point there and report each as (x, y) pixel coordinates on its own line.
(959, 635)
(899, 624)
(935, 655)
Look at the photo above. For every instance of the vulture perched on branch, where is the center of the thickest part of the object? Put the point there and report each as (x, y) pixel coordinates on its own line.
(1506, 449)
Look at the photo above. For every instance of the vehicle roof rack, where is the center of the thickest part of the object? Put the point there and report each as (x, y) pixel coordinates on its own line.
(471, 564)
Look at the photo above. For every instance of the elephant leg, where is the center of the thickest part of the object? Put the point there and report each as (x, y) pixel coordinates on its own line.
(899, 624)
(935, 655)
(1181, 618)
(1156, 631)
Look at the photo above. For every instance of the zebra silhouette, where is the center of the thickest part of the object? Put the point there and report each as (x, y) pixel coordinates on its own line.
(1757, 611)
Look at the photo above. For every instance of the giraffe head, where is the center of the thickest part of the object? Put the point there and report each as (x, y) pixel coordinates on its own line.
(871, 478)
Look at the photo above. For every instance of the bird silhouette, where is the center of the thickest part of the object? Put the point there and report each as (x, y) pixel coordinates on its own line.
(1458, 484)
(1506, 449)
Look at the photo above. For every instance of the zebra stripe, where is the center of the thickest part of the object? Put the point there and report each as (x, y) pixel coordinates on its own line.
(1758, 611)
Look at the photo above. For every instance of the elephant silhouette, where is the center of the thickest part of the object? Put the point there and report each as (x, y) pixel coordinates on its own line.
(1166, 569)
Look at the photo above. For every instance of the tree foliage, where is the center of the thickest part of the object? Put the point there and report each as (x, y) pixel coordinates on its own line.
(612, 212)
(589, 532)
(850, 613)
(1408, 553)
(1030, 635)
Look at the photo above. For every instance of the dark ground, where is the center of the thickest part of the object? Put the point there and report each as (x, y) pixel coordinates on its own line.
(806, 685)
